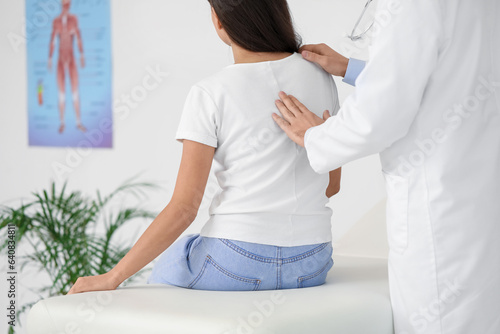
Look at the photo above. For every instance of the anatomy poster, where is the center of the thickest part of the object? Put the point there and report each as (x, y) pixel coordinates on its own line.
(69, 73)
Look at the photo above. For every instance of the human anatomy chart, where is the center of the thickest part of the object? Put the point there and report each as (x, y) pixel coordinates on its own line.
(69, 73)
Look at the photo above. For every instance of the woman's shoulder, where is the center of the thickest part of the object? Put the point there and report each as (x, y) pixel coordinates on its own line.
(308, 67)
(214, 83)
(238, 77)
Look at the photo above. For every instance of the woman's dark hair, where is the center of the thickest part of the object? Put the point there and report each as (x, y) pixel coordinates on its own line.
(258, 25)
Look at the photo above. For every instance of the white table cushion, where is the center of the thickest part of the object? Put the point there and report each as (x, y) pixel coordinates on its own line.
(354, 300)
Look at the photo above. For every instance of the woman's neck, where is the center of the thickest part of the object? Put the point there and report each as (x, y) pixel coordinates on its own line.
(244, 56)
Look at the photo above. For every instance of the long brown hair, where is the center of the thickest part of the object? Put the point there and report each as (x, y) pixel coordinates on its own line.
(258, 25)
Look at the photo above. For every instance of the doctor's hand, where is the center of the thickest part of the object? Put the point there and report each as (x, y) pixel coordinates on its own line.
(297, 119)
(331, 61)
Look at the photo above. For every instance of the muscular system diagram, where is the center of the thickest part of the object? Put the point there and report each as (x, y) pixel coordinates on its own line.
(65, 26)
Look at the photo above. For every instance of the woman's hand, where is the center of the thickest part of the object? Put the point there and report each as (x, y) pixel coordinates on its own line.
(94, 283)
(331, 61)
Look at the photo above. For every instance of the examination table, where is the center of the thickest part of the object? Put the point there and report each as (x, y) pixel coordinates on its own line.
(354, 300)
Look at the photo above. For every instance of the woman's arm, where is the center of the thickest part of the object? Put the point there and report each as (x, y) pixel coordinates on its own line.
(334, 186)
(167, 226)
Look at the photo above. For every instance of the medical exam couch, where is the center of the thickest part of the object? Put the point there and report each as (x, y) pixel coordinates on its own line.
(354, 300)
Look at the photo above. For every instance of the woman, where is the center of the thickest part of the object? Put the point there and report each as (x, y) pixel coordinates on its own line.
(269, 226)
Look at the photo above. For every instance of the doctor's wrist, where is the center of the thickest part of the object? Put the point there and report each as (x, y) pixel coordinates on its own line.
(308, 131)
(344, 64)
(353, 70)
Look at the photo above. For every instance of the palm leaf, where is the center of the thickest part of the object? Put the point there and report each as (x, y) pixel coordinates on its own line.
(59, 227)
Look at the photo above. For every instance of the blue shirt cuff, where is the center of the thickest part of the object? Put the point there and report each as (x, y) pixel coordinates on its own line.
(354, 68)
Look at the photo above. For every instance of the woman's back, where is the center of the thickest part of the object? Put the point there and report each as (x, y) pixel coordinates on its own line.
(269, 193)
(269, 227)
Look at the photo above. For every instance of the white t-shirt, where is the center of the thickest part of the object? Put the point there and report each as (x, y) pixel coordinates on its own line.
(269, 193)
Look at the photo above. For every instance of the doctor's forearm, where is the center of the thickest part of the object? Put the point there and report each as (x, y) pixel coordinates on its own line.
(386, 103)
(162, 232)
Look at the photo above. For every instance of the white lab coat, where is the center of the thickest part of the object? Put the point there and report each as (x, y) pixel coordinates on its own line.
(428, 100)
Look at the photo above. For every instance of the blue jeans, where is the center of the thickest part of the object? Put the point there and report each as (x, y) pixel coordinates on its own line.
(204, 263)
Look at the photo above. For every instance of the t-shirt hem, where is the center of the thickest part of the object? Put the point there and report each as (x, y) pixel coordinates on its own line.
(270, 228)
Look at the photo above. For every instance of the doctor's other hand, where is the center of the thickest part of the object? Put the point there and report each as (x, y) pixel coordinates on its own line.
(321, 54)
(94, 283)
(296, 118)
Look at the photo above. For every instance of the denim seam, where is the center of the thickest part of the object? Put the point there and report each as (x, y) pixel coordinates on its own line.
(208, 259)
(305, 255)
(272, 260)
(228, 273)
(278, 266)
(199, 274)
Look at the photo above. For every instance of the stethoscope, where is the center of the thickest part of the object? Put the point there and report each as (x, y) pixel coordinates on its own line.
(353, 37)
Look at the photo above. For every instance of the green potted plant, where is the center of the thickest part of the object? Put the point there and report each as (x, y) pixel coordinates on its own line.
(61, 229)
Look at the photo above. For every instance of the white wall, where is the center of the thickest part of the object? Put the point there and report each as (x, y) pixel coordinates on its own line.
(176, 36)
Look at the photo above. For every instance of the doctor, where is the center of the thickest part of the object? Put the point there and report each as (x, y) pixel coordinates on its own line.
(429, 102)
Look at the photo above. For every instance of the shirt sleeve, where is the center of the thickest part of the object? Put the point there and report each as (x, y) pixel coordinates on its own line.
(354, 68)
(389, 91)
(199, 118)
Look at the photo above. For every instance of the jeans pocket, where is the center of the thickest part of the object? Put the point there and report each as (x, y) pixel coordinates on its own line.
(397, 212)
(316, 278)
(213, 276)
(315, 267)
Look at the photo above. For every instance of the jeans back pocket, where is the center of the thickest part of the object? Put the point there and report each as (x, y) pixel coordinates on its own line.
(316, 278)
(213, 276)
(315, 268)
